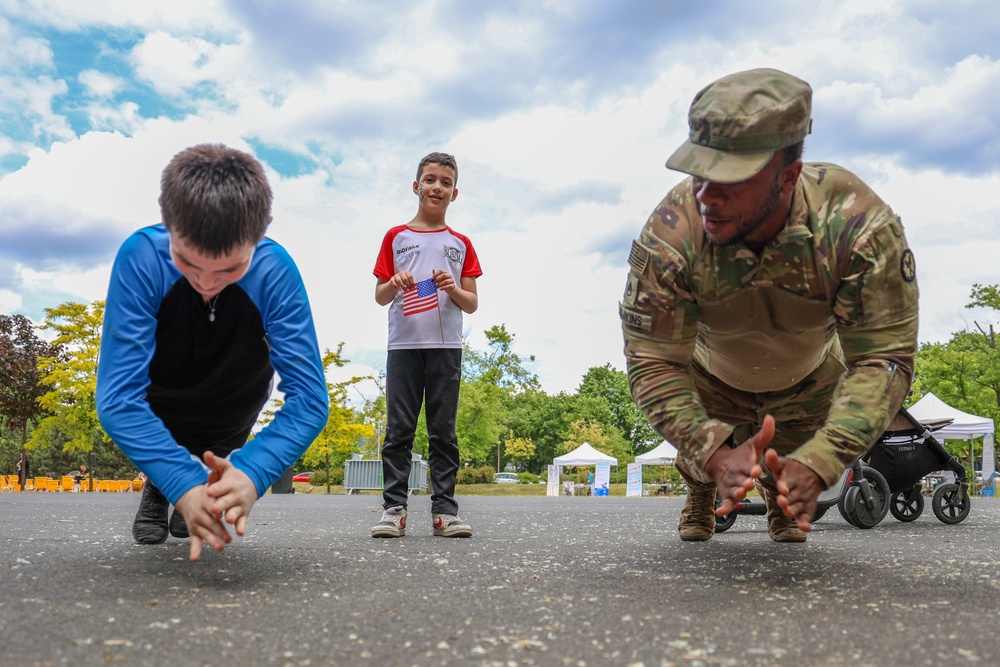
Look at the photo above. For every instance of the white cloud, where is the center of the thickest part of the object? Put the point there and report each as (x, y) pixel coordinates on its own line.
(560, 139)
(99, 84)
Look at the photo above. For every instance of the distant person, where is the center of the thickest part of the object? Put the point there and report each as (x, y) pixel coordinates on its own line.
(426, 273)
(23, 469)
(82, 471)
(770, 303)
(202, 310)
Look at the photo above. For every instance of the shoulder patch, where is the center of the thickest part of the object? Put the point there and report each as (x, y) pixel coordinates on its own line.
(635, 320)
(638, 257)
(908, 266)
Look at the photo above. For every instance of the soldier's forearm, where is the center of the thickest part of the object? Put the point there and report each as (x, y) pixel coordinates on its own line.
(867, 398)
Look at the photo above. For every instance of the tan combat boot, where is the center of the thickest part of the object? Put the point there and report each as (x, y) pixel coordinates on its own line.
(698, 518)
(780, 527)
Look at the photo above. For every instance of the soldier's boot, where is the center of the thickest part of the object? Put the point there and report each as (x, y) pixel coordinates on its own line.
(781, 528)
(698, 517)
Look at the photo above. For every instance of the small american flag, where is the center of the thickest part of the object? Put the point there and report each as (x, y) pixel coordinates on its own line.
(420, 298)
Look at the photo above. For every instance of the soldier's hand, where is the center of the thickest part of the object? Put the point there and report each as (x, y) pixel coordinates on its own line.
(735, 469)
(798, 488)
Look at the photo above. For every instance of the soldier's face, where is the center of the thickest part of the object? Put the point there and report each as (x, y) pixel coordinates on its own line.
(750, 211)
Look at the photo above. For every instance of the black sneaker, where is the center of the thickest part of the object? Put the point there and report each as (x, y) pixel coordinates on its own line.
(177, 526)
(150, 524)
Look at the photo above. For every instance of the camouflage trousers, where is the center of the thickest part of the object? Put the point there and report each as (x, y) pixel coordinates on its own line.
(799, 411)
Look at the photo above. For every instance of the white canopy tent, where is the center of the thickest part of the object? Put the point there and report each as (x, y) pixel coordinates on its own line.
(963, 426)
(662, 454)
(584, 455)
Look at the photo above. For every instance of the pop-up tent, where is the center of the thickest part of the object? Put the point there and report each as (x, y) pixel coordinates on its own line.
(663, 454)
(963, 426)
(584, 455)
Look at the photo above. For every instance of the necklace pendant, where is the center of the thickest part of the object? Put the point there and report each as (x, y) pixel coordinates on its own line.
(211, 315)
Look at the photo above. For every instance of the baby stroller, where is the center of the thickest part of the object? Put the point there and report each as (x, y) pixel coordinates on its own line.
(905, 454)
(887, 479)
(861, 494)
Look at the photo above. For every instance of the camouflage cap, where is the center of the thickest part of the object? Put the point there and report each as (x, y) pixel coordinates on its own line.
(738, 122)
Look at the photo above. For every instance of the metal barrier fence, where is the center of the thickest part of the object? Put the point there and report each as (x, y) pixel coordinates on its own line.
(367, 475)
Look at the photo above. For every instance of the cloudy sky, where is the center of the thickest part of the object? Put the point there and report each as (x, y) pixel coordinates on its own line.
(561, 114)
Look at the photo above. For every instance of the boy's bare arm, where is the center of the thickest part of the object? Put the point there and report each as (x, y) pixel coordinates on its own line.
(465, 297)
(385, 290)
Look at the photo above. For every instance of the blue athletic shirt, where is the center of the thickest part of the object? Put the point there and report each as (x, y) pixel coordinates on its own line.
(172, 385)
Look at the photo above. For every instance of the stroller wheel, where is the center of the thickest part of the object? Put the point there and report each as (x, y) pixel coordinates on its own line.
(818, 514)
(724, 523)
(852, 505)
(946, 505)
(907, 505)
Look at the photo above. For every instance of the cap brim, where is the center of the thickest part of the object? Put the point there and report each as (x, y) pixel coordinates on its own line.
(715, 165)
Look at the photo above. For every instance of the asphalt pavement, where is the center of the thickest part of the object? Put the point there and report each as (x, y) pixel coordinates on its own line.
(544, 581)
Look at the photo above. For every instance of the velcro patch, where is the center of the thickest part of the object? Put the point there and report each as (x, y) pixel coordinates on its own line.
(635, 320)
(908, 266)
(638, 257)
(631, 289)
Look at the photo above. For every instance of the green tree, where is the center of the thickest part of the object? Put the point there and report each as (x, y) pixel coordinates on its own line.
(611, 385)
(344, 429)
(965, 371)
(546, 420)
(499, 365)
(605, 440)
(70, 380)
(520, 450)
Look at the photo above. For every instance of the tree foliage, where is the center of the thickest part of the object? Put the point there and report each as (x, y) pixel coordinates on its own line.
(605, 440)
(519, 450)
(611, 385)
(70, 379)
(20, 386)
(547, 421)
(965, 371)
(344, 430)
(499, 365)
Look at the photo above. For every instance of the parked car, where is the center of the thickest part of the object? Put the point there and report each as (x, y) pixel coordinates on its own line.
(302, 477)
(506, 478)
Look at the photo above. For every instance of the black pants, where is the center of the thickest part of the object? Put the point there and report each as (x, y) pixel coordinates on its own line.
(431, 377)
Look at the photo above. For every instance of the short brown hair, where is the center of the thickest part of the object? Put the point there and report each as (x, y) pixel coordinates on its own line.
(442, 159)
(215, 197)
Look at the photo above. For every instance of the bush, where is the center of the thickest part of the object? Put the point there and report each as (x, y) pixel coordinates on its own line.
(527, 477)
(319, 477)
(480, 475)
(465, 476)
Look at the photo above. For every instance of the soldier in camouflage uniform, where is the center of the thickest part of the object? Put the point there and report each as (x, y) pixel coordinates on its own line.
(770, 303)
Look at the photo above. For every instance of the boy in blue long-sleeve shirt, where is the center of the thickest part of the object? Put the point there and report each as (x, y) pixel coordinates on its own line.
(202, 310)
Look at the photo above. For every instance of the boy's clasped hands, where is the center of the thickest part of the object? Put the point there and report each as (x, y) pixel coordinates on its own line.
(227, 497)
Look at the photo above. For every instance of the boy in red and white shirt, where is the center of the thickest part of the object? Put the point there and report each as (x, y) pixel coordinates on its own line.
(426, 273)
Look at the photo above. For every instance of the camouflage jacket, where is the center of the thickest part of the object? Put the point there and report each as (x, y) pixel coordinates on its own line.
(840, 268)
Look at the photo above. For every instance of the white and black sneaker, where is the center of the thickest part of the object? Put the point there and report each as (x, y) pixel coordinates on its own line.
(392, 524)
(449, 525)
